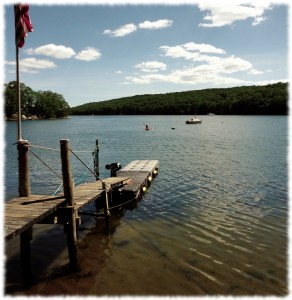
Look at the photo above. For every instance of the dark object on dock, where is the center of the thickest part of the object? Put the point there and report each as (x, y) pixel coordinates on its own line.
(114, 167)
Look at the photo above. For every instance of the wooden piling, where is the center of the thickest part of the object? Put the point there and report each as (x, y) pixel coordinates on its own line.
(23, 168)
(96, 159)
(25, 257)
(24, 191)
(70, 224)
(106, 207)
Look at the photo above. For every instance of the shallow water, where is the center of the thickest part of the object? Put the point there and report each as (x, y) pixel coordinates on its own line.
(213, 222)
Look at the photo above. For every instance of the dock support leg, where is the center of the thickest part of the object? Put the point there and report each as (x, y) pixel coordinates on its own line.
(70, 229)
(70, 225)
(106, 208)
(25, 256)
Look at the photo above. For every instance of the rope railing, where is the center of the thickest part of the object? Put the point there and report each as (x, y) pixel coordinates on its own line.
(97, 178)
(76, 156)
(94, 153)
(48, 148)
(46, 164)
(44, 148)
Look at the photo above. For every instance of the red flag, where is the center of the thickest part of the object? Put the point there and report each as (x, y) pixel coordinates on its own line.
(22, 23)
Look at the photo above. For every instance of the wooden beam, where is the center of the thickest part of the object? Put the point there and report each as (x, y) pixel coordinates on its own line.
(70, 225)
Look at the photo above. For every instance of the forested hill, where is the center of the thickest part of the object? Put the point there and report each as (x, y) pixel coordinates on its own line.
(270, 99)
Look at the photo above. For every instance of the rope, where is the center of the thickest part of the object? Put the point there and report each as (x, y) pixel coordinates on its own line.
(82, 163)
(76, 182)
(45, 148)
(57, 189)
(88, 168)
(81, 179)
(46, 165)
(122, 204)
(81, 151)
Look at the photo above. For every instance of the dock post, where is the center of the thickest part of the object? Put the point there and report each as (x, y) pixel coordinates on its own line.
(24, 191)
(106, 207)
(25, 255)
(70, 226)
(23, 168)
(96, 160)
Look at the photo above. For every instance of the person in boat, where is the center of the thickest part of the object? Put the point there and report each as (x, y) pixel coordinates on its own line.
(146, 127)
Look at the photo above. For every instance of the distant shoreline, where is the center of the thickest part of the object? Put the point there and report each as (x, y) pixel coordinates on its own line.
(34, 119)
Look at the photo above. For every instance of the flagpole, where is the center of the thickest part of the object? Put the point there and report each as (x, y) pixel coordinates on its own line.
(18, 96)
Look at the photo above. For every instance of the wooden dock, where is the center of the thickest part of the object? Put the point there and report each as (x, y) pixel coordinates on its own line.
(23, 212)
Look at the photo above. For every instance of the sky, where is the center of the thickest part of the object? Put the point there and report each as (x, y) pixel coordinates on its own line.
(96, 51)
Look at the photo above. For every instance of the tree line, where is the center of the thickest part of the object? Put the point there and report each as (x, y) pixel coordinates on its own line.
(40, 104)
(271, 99)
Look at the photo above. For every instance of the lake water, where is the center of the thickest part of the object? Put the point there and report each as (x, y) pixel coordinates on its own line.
(213, 222)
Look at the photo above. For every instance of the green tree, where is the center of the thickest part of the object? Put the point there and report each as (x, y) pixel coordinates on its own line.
(51, 105)
(27, 96)
(43, 104)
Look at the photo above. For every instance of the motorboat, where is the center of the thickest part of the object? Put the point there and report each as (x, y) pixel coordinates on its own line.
(194, 121)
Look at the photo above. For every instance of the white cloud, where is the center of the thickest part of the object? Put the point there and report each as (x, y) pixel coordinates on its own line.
(151, 66)
(196, 75)
(192, 51)
(88, 54)
(255, 72)
(258, 20)
(179, 52)
(56, 51)
(211, 69)
(203, 48)
(156, 24)
(232, 64)
(130, 28)
(32, 65)
(219, 14)
(121, 31)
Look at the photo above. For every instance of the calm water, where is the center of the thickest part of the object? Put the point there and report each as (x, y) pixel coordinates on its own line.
(213, 222)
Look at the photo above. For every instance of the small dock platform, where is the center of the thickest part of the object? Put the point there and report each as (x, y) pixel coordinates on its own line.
(141, 172)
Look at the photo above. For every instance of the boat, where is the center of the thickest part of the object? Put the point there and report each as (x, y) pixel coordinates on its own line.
(194, 120)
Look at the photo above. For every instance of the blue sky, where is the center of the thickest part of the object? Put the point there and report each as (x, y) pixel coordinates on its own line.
(95, 52)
